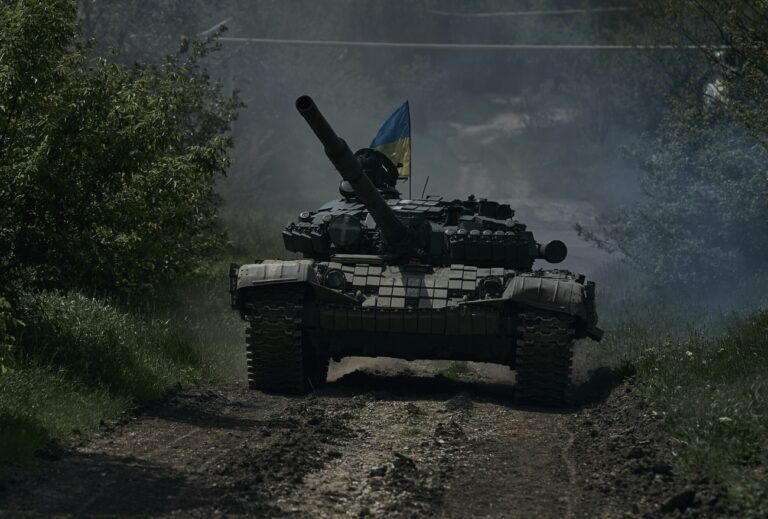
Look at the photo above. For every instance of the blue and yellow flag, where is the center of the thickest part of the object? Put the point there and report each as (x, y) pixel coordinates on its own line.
(394, 139)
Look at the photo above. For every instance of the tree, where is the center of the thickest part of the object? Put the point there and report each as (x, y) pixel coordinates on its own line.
(734, 37)
(107, 171)
(702, 219)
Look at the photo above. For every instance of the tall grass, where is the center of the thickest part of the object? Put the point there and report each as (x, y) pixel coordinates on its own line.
(701, 361)
(201, 307)
(714, 396)
(105, 347)
(82, 360)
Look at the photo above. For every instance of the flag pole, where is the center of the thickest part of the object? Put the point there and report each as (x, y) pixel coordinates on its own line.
(410, 145)
(410, 177)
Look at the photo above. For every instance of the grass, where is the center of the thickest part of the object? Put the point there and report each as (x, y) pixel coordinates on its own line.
(81, 361)
(105, 347)
(40, 404)
(702, 365)
(714, 396)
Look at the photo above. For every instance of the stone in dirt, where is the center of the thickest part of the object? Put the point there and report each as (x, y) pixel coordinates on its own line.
(377, 471)
(459, 402)
(413, 410)
(680, 501)
(449, 430)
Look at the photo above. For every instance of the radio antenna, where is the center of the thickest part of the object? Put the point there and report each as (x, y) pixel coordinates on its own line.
(425, 187)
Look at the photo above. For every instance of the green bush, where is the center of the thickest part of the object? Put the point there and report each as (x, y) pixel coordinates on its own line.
(7, 322)
(106, 171)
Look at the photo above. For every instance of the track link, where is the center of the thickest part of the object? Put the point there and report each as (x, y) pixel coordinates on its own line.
(543, 356)
(278, 354)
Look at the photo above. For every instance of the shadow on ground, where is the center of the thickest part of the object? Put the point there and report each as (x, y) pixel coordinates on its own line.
(599, 385)
(86, 484)
(408, 386)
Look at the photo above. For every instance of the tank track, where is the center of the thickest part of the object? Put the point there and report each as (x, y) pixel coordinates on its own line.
(279, 356)
(543, 356)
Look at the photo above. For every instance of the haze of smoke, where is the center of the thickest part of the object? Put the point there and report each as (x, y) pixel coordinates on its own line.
(507, 126)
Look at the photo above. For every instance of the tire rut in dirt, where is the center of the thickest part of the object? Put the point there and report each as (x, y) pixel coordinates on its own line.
(413, 488)
(254, 476)
(543, 357)
(278, 354)
(399, 464)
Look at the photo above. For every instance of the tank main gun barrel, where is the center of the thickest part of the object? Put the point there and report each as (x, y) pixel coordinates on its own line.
(348, 166)
(554, 251)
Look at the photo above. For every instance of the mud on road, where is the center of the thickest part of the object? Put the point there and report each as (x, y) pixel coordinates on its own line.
(368, 444)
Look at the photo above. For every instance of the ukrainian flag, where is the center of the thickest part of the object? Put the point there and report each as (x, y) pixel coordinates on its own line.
(394, 139)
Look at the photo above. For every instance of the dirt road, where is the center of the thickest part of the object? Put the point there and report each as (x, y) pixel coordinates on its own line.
(394, 445)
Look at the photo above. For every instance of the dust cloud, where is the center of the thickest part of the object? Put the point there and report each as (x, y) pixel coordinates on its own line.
(536, 128)
(467, 371)
(585, 361)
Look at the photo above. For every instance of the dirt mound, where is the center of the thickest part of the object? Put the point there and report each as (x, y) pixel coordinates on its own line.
(627, 462)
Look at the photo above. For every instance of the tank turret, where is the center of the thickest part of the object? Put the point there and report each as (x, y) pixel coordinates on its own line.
(348, 165)
(372, 219)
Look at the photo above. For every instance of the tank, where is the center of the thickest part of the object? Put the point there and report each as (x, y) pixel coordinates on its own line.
(430, 278)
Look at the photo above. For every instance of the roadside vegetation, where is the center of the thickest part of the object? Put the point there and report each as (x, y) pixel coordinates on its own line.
(687, 309)
(700, 361)
(81, 361)
(712, 393)
(110, 293)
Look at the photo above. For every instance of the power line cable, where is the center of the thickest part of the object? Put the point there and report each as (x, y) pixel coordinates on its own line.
(459, 46)
(558, 12)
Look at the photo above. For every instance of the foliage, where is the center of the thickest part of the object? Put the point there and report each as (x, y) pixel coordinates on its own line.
(703, 213)
(7, 324)
(712, 394)
(106, 171)
(81, 361)
(734, 36)
(703, 172)
(104, 347)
